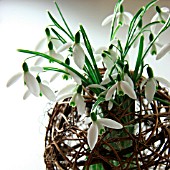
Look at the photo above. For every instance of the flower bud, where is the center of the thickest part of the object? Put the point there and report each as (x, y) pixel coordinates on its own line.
(150, 72)
(47, 31)
(50, 45)
(93, 116)
(77, 37)
(38, 79)
(158, 10)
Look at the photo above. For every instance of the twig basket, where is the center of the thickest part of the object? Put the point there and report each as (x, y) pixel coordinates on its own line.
(143, 143)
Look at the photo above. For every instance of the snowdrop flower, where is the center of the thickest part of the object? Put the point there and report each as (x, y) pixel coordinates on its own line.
(122, 87)
(74, 92)
(29, 80)
(151, 84)
(163, 51)
(123, 18)
(78, 52)
(161, 15)
(46, 91)
(96, 126)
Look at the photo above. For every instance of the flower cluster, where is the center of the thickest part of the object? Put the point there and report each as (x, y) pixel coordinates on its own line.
(76, 60)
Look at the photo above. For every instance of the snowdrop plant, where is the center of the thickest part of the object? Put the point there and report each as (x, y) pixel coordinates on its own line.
(103, 86)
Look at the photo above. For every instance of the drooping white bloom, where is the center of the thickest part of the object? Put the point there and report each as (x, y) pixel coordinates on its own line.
(73, 92)
(161, 15)
(97, 125)
(78, 55)
(46, 91)
(78, 52)
(123, 17)
(163, 51)
(151, 84)
(13, 79)
(129, 80)
(29, 80)
(122, 88)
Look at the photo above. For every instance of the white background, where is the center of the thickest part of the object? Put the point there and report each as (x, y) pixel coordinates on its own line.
(22, 25)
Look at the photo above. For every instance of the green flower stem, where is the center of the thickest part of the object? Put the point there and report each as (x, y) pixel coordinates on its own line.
(90, 51)
(59, 36)
(55, 69)
(139, 59)
(116, 10)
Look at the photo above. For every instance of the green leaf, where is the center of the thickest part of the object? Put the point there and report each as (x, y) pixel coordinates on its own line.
(59, 26)
(150, 4)
(90, 51)
(59, 36)
(139, 59)
(64, 21)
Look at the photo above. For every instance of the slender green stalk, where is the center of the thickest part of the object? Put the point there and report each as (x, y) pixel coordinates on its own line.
(64, 21)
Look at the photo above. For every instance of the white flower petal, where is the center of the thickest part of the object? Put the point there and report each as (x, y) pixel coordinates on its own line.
(142, 84)
(79, 56)
(13, 79)
(76, 78)
(108, 80)
(39, 60)
(87, 120)
(110, 123)
(54, 76)
(68, 89)
(41, 44)
(127, 17)
(150, 89)
(92, 135)
(81, 106)
(100, 50)
(56, 55)
(163, 51)
(108, 62)
(98, 57)
(129, 80)
(32, 83)
(127, 89)
(110, 92)
(60, 98)
(107, 20)
(96, 86)
(36, 69)
(26, 95)
(57, 43)
(110, 105)
(64, 47)
(163, 81)
(113, 55)
(47, 92)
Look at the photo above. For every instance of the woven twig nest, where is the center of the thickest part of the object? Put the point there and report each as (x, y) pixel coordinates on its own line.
(143, 143)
